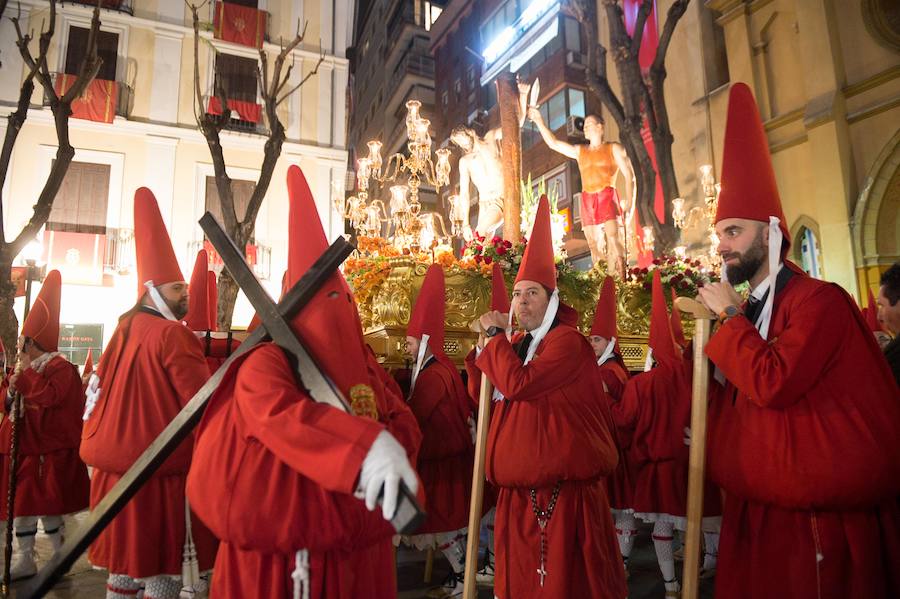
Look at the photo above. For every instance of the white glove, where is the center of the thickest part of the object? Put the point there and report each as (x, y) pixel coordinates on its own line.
(687, 436)
(384, 467)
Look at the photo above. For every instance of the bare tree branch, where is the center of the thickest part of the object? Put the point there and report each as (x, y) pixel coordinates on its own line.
(639, 23)
(676, 11)
(62, 110)
(302, 81)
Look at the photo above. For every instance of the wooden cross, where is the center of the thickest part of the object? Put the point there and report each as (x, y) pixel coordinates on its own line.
(275, 319)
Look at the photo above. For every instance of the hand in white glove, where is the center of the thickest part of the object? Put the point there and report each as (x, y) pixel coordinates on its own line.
(383, 468)
(687, 436)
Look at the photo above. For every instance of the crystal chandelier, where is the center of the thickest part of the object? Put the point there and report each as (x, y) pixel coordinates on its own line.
(409, 171)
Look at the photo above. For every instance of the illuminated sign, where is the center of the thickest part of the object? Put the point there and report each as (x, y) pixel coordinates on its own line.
(506, 38)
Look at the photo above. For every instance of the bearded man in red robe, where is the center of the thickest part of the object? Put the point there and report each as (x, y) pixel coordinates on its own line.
(549, 443)
(804, 417)
(151, 368)
(275, 473)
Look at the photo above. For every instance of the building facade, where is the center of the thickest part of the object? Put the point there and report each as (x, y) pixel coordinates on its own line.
(473, 42)
(826, 75)
(151, 137)
(391, 64)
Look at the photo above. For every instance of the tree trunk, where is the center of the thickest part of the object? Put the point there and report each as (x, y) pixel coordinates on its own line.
(511, 152)
(9, 324)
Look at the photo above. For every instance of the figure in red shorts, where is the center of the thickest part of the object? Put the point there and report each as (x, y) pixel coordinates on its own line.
(599, 164)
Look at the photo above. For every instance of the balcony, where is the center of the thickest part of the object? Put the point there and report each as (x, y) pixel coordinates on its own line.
(258, 256)
(243, 117)
(125, 6)
(101, 101)
(119, 259)
(238, 24)
(412, 64)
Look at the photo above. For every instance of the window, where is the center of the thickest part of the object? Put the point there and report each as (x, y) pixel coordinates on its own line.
(573, 34)
(457, 90)
(427, 14)
(107, 49)
(242, 190)
(563, 104)
(499, 21)
(470, 78)
(250, 3)
(490, 91)
(715, 57)
(809, 253)
(80, 203)
(237, 76)
(445, 99)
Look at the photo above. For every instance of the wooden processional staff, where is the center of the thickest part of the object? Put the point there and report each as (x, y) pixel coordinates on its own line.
(470, 590)
(703, 319)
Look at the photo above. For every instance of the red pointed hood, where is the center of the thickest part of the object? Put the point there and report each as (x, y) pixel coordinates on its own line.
(604, 324)
(499, 294)
(871, 313)
(427, 317)
(88, 362)
(197, 317)
(677, 328)
(155, 258)
(329, 324)
(661, 341)
(42, 322)
(537, 263)
(212, 300)
(749, 189)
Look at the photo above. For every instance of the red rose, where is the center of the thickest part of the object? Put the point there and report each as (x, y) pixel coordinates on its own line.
(500, 250)
(656, 261)
(507, 244)
(488, 259)
(478, 259)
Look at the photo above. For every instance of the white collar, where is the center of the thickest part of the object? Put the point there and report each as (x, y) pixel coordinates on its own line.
(158, 302)
(762, 288)
(607, 353)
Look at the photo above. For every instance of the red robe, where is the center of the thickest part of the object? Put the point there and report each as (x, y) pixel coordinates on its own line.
(441, 406)
(52, 479)
(551, 427)
(654, 410)
(803, 439)
(620, 484)
(150, 370)
(274, 473)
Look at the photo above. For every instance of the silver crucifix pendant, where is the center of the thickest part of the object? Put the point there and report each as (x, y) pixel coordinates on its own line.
(542, 573)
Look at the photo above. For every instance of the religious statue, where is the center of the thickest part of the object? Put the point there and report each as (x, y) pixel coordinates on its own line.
(481, 164)
(599, 163)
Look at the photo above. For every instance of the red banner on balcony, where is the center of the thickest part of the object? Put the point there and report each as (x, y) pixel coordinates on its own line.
(247, 111)
(215, 260)
(239, 24)
(97, 103)
(77, 256)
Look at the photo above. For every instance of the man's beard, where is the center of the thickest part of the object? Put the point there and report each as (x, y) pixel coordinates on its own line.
(179, 309)
(748, 263)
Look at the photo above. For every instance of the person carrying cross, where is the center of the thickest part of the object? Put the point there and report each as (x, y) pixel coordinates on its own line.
(279, 477)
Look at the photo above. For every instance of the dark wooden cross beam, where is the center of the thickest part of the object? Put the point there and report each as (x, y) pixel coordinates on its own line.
(409, 514)
(177, 430)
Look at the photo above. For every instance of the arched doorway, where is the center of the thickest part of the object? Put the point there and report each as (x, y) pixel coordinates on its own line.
(876, 219)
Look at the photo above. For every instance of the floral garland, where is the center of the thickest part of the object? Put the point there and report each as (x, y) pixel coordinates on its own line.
(685, 276)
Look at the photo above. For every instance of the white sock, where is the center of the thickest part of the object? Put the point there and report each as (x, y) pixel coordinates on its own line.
(626, 530)
(662, 542)
(120, 586)
(452, 545)
(711, 555)
(162, 587)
